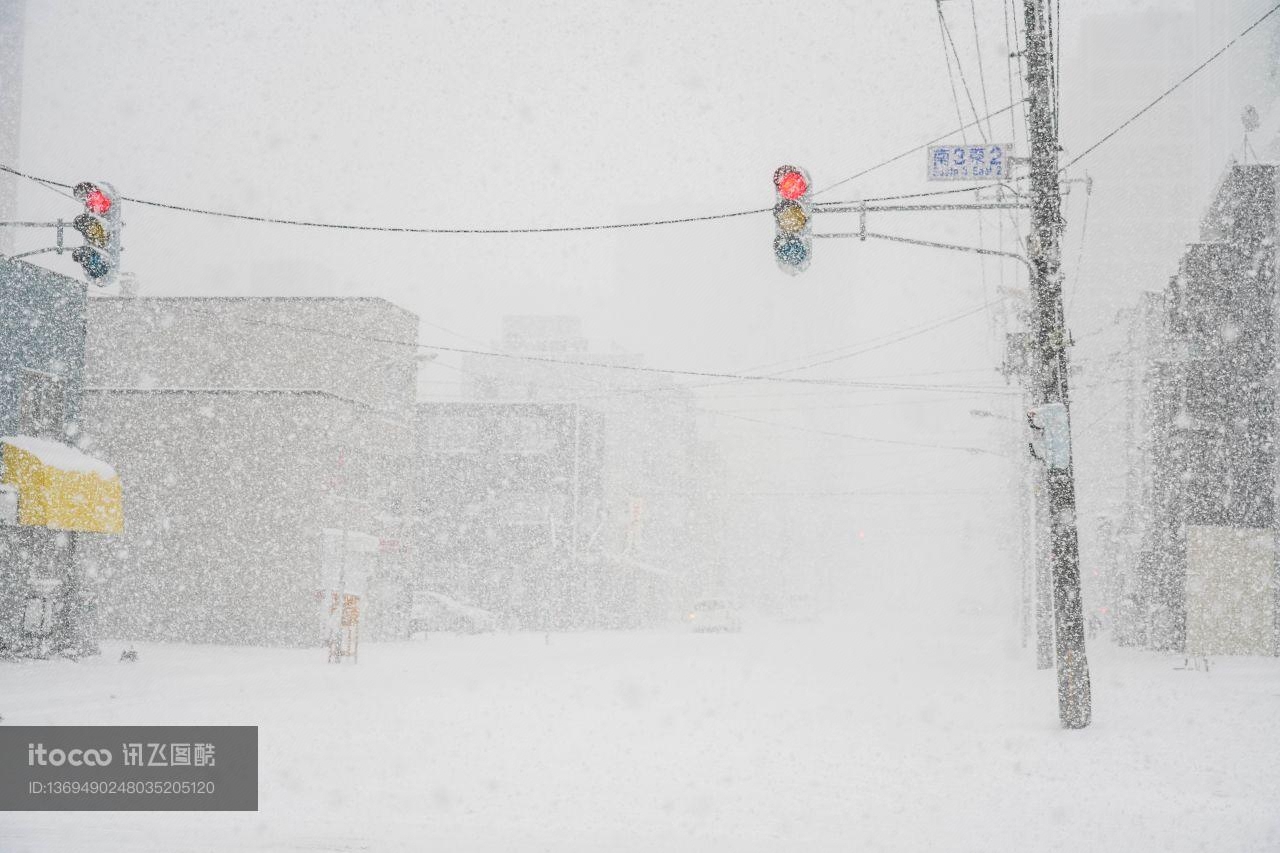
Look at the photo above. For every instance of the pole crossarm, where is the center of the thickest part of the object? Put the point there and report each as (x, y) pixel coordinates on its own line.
(955, 247)
(57, 249)
(899, 208)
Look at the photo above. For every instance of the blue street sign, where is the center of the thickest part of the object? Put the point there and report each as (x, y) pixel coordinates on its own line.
(976, 162)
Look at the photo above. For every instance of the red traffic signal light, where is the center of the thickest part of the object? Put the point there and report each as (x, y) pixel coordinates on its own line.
(100, 226)
(792, 182)
(95, 200)
(791, 218)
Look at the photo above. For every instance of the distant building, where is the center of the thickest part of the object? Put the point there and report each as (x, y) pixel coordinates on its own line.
(1159, 170)
(509, 512)
(1203, 508)
(1127, 554)
(650, 457)
(259, 432)
(54, 497)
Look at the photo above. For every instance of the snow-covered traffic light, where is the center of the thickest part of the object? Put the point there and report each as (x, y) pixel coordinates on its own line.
(791, 214)
(100, 227)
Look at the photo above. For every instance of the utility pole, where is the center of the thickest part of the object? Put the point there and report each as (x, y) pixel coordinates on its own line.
(1043, 569)
(576, 497)
(1050, 385)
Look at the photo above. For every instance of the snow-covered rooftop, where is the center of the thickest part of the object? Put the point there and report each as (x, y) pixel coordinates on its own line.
(64, 457)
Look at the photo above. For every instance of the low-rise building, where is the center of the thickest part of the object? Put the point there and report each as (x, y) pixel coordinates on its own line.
(509, 512)
(1205, 579)
(54, 496)
(649, 457)
(253, 428)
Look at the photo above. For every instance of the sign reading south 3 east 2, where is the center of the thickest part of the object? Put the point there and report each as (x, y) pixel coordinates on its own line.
(985, 162)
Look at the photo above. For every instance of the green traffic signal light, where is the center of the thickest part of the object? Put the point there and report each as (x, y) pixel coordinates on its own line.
(94, 264)
(792, 253)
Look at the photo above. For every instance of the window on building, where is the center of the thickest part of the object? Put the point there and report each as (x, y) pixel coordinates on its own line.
(42, 404)
(526, 434)
(453, 434)
(525, 508)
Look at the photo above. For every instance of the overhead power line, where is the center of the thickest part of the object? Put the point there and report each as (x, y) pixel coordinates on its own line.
(982, 74)
(550, 229)
(1167, 92)
(948, 40)
(890, 340)
(397, 229)
(632, 368)
(851, 436)
(870, 344)
(951, 78)
(929, 194)
(917, 149)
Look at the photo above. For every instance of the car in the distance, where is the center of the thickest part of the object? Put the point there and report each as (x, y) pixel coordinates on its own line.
(434, 611)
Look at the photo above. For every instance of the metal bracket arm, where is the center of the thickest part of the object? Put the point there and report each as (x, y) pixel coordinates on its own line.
(864, 234)
(59, 224)
(900, 208)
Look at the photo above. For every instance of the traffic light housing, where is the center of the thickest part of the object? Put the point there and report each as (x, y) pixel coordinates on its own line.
(99, 224)
(792, 215)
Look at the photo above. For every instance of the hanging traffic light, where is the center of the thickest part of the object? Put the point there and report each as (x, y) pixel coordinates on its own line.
(791, 216)
(100, 226)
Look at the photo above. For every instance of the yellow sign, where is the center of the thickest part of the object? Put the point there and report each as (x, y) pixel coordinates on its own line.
(61, 487)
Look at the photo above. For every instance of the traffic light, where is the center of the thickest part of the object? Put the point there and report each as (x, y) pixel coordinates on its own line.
(100, 227)
(791, 214)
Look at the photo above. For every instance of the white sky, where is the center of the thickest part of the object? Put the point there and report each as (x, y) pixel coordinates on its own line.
(515, 114)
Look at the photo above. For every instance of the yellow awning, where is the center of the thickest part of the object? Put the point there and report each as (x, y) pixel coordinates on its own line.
(61, 487)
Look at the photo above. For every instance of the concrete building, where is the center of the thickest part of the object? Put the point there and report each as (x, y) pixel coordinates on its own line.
(1127, 551)
(259, 432)
(1158, 178)
(650, 455)
(54, 497)
(1205, 577)
(509, 512)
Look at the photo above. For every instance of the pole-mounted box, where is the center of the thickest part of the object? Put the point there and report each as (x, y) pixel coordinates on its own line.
(1051, 435)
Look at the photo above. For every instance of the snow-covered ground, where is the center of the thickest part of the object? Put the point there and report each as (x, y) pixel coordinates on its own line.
(849, 734)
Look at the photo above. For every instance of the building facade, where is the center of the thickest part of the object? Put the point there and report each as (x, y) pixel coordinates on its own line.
(254, 428)
(1202, 502)
(650, 537)
(55, 497)
(509, 512)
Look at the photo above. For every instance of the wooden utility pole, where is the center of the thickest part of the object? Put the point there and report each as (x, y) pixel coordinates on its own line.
(1043, 560)
(1050, 365)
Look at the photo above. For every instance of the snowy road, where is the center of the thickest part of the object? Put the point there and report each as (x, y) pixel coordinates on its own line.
(817, 737)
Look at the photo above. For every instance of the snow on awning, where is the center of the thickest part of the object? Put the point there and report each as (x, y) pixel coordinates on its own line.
(61, 487)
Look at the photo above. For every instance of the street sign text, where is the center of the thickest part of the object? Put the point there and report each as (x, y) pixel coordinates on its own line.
(978, 162)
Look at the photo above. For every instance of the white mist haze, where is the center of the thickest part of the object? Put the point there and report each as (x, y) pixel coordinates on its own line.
(909, 715)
